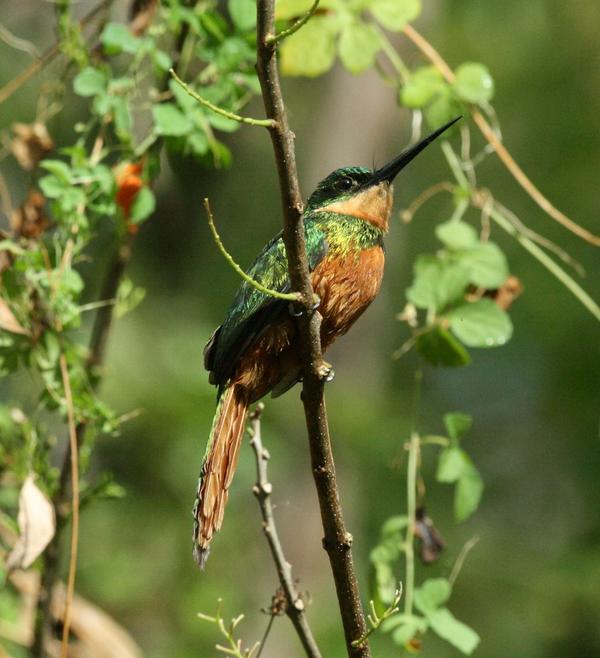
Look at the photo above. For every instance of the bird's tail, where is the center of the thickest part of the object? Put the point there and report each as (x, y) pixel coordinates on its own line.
(218, 467)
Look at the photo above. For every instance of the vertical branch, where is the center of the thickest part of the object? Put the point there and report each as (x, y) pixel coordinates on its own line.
(262, 491)
(337, 540)
(74, 463)
(411, 496)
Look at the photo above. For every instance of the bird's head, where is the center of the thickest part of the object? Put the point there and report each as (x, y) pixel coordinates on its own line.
(365, 193)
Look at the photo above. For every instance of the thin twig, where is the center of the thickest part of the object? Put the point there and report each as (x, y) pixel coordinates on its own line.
(64, 649)
(509, 162)
(277, 38)
(409, 551)
(288, 296)
(460, 560)
(262, 490)
(337, 540)
(407, 215)
(265, 123)
(376, 620)
(35, 67)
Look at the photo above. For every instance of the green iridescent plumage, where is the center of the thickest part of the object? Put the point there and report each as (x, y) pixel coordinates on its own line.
(327, 235)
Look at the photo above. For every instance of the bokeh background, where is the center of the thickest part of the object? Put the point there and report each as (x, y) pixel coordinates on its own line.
(530, 587)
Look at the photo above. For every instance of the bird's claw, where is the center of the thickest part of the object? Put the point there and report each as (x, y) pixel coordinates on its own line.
(296, 310)
(326, 372)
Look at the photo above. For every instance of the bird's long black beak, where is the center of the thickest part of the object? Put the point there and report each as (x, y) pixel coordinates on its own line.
(389, 171)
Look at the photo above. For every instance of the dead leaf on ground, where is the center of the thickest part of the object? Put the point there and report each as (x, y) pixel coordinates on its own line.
(8, 322)
(29, 220)
(30, 144)
(37, 525)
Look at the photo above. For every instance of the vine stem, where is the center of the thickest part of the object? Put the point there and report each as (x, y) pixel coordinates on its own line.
(265, 123)
(276, 38)
(290, 296)
(262, 490)
(411, 498)
(64, 647)
(509, 162)
(337, 540)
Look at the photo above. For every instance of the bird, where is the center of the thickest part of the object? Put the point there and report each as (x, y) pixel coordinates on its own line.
(256, 350)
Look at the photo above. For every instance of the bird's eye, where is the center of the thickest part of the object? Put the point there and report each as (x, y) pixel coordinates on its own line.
(345, 183)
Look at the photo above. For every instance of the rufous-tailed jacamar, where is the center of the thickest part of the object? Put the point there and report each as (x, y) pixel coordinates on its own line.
(255, 351)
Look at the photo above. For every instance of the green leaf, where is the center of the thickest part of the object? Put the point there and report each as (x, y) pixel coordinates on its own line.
(473, 83)
(384, 583)
(117, 38)
(486, 264)
(170, 120)
(480, 324)
(451, 465)
(421, 87)
(440, 348)
(143, 205)
(456, 235)
(437, 283)
(243, 14)
(52, 187)
(128, 297)
(395, 14)
(442, 109)
(457, 424)
(311, 50)
(468, 492)
(394, 525)
(432, 594)
(89, 82)
(198, 143)
(445, 624)
(288, 9)
(358, 46)
(122, 119)
(406, 632)
(58, 168)
(222, 123)
(161, 59)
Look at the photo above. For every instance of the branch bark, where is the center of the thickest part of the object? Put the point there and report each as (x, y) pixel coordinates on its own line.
(262, 491)
(337, 540)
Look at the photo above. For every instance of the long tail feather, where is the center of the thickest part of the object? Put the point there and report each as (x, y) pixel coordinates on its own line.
(218, 468)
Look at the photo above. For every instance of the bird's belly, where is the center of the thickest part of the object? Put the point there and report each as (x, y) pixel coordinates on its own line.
(346, 285)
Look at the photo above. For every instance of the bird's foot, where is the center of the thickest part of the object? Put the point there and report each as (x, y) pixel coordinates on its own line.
(326, 372)
(296, 310)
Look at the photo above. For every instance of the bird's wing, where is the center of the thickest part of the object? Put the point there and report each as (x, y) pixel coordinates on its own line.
(253, 311)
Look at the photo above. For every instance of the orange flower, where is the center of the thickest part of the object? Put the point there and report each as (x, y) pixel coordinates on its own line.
(129, 183)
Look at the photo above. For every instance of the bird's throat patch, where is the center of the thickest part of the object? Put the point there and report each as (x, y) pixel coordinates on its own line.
(373, 205)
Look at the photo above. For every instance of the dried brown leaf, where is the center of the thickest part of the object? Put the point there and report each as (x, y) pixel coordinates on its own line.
(29, 220)
(141, 15)
(8, 322)
(37, 525)
(30, 144)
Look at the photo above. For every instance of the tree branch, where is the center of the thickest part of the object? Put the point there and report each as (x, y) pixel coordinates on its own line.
(337, 540)
(262, 490)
